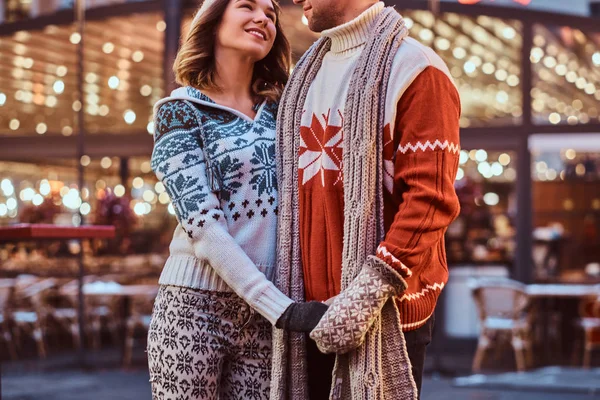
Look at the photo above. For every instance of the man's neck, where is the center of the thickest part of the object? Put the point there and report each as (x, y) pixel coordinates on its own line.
(355, 10)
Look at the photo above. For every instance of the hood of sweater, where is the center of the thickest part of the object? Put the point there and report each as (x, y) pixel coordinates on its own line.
(194, 95)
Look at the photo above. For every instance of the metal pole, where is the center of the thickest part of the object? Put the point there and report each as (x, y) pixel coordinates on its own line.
(173, 13)
(523, 270)
(80, 19)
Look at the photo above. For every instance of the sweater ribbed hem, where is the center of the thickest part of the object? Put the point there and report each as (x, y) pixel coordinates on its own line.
(273, 303)
(190, 272)
(415, 313)
(353, 34)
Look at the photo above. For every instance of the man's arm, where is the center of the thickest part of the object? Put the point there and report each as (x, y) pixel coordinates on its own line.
(426, 161)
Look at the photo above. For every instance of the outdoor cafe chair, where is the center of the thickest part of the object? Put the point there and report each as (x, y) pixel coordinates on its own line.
(6, 291)
(589, 321)
(139, 316)
(503, 306)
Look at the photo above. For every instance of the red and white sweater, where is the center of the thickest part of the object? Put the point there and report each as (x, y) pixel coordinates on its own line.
(421, 153)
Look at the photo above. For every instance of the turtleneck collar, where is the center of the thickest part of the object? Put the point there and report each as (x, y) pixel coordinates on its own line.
(353, 34)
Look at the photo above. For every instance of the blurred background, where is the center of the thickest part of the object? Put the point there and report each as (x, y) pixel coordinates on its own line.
(75, 144)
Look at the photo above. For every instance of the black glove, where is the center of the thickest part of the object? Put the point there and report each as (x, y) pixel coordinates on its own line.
(301, 317)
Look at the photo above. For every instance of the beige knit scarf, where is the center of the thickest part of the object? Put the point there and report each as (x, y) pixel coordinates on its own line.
(379, 369)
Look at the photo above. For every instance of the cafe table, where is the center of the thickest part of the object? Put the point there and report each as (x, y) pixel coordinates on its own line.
(49, 232)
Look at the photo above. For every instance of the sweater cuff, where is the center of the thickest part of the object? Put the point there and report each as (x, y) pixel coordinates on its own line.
(272, 304)
(234, 266)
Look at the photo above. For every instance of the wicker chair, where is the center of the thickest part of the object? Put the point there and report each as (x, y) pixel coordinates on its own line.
(6, 291)
(139, 316)
(503, 306)
(589, 321)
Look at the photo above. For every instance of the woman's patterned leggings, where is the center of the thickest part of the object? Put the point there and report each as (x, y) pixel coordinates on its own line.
(207, 345)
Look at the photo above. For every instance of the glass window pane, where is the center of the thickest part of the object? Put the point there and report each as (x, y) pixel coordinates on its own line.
(566, 76)
(484, 231)
(566, 205)
(483, 55)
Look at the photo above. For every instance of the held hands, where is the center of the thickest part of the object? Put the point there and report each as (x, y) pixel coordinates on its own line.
(352, 313)
(301, 317)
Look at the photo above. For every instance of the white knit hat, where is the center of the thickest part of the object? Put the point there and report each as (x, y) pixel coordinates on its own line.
(205, 6)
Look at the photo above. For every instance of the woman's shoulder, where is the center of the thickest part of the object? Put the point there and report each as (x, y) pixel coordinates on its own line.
(174, 115)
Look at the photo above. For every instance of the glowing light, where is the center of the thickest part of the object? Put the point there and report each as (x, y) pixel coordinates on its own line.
(85, 160)
(103, 110)
(72, 199)
(463, 157)
(159, 187)
(138, 183)
(106, 162)
(554, 118)
(580, 170)
(7, 187)
(129, 117)
(51, 101)
(491, 199)
(146, 167)
(37, 200)
(59, 87)
(61, 71)
(76, 106)
(85, 208)
(171, 209)
(139, 209)
(459, 53)
(164, 198)
(161, 26)
(497, 169)
(3, 210)
(502, 97)
(11, 204)
(75, 38)
(541, 167)
(119, 190)
(460, 174)
(570, 154)
(146, 90)
(148, 195)
(484, 169)
(469, 67)
(137, 56)
(150, 128)
(41, 128)
(509, 33)
(2, 99)
(304, 20)
(481, 155)
(108, 47)
(596, 58)
(27, 194)
(113, 82)
(551, 174)
(14, 124)
(45, 188)
(504, 159)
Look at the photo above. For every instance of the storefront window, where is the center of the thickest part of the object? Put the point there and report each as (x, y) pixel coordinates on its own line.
(566, 206)
(484, 231)
(566, 86)
(47, 192)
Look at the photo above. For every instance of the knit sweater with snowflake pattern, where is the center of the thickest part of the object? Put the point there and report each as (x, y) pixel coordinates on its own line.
(421, 151)
(218, 168)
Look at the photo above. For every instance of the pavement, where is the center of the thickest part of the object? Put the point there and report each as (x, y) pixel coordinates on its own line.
(119, 384)
(62, 377)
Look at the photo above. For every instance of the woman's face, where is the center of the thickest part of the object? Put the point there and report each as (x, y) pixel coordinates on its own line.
(248, 26)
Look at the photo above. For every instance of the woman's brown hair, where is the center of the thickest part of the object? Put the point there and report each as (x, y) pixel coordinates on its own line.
(195, 64)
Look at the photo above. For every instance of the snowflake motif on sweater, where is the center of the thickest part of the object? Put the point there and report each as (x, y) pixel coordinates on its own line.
(227, 156)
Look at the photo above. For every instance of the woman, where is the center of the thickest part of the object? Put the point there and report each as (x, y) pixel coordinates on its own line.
(214, 152)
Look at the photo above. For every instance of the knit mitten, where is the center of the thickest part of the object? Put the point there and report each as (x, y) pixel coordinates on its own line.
(301, 317)
(353, 311)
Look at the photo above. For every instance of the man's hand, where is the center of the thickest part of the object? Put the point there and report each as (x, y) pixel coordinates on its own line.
(352, 312)
(301, 317)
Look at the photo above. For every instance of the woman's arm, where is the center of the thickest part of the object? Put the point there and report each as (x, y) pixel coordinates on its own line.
(178, 161)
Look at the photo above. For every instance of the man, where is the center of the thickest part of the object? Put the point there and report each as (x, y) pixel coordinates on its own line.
(375, 155)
